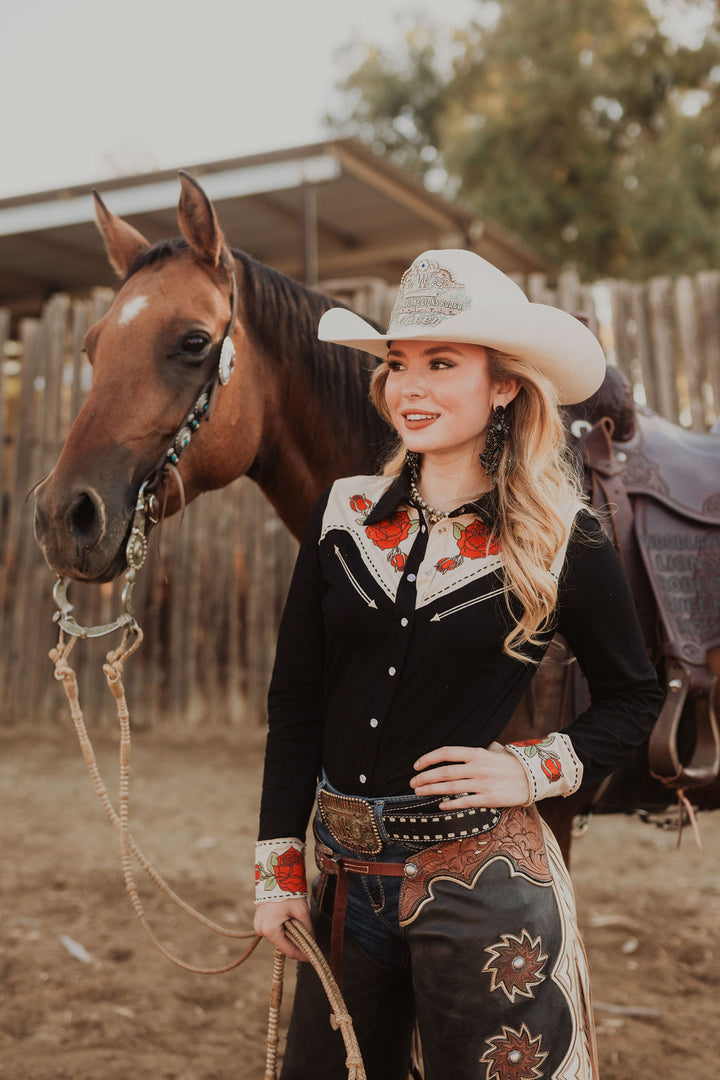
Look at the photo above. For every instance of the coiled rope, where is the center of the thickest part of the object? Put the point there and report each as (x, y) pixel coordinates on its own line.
(113, 670)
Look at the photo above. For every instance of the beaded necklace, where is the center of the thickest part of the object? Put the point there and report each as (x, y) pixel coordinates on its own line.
(433, 514)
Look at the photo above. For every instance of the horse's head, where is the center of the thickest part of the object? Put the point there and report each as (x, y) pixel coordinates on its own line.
(151, 354)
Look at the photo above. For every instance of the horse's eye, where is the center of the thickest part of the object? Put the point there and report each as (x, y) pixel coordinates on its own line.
(195, 344)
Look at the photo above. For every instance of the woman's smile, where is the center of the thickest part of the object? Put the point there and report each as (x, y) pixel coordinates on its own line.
(416, 420)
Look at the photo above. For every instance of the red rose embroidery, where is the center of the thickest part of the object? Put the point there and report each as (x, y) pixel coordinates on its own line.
(445, 564)
(398, 560)
(360, 504)
(387, 534)
(552, 767)
(526, 742)
(475, 542)
(290, 871)
(257, 873)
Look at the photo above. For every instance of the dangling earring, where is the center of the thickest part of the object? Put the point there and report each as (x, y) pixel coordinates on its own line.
(412, 460)
(497, 432)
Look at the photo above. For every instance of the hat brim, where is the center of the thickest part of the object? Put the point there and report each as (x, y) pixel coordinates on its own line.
(550, 339)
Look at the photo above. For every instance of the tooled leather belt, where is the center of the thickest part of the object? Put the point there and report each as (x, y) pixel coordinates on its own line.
(352, 822)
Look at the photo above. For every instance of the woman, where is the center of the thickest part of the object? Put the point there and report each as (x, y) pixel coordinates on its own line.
(421, 604)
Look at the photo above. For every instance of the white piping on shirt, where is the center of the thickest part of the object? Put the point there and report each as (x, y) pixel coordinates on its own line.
(356, 586)
(468, 603)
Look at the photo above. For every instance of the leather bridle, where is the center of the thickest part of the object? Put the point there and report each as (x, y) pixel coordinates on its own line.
(147, 510)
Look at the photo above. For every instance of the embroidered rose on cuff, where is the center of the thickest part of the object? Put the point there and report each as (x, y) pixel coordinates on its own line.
(551, 765)
(279, 869)
(290, 871)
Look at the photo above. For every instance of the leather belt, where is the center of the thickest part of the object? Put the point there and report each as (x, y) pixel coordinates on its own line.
(352, 822)
(340, 866)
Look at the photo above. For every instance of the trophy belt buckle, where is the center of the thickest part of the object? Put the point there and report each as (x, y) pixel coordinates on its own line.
(351, 822)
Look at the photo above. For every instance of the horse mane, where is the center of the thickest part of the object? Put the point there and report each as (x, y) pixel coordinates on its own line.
(282, 317)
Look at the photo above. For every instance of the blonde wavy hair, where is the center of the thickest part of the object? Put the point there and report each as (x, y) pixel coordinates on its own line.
(535, 482)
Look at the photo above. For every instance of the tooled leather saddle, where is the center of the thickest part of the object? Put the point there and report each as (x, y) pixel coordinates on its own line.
(658, 494)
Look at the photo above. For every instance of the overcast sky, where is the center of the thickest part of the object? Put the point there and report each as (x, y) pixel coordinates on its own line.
(91, 88)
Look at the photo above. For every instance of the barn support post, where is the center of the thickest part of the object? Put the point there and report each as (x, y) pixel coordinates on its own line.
(311, 256)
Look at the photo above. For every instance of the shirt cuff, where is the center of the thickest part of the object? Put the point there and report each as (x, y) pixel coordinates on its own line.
(280, 869)
(551, 765)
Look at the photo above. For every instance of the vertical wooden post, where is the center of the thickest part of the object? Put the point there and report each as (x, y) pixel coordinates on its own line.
(690, 349)
(4, 335)
(619, 304)
(643, 339)
(664, 341)
(708, 291)
(311, 255)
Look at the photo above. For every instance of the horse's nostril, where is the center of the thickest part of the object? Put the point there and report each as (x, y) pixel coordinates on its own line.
(86, 519)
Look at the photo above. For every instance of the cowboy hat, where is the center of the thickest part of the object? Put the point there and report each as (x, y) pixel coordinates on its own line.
(458, 296)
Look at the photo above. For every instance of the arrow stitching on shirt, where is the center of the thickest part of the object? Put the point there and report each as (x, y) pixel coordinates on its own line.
(468, 603)
(356, 586)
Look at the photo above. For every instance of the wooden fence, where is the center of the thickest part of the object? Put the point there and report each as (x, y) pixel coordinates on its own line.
(210, 628)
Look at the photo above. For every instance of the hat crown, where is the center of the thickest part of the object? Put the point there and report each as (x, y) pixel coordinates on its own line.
(441, 284)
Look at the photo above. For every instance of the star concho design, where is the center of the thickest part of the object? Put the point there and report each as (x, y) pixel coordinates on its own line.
(514, 1055)
(516, 965)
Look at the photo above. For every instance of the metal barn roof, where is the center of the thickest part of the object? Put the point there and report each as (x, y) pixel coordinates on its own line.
(328, 210)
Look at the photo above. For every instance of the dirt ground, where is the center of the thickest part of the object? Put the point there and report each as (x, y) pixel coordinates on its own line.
(84, 995)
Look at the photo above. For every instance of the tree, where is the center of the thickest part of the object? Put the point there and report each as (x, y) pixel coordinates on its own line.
(566, 121)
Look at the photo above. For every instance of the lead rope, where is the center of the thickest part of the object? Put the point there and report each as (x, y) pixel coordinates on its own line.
(113, 669)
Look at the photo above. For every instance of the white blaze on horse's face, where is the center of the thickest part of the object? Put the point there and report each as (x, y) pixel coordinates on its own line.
(131, 309)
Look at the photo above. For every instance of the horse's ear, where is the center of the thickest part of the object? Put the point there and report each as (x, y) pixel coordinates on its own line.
(122, 243)
(198, 221)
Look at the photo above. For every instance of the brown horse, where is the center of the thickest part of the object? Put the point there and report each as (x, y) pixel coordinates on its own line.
(294, 416)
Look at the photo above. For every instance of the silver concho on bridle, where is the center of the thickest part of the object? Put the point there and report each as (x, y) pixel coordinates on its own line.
(226, 364)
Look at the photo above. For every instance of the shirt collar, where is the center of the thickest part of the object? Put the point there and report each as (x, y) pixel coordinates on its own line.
(399, 492)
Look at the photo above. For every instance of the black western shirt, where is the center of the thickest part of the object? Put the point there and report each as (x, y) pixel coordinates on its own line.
(391, 645)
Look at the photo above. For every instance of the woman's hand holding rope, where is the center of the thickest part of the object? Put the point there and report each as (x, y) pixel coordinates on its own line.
(270, 916)
(479, 777)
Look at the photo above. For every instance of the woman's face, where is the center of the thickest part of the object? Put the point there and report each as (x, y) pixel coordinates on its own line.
(440, 395)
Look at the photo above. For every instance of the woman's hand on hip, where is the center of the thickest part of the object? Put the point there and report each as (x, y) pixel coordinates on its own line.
(270, 916)
(480, 777)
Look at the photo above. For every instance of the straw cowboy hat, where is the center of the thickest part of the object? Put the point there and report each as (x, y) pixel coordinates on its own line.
(458, 296)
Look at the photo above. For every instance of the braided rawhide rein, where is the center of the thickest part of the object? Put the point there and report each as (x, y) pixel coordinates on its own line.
(113, 669)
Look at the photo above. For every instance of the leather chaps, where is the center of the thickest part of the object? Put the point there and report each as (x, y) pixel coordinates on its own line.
(491, 967)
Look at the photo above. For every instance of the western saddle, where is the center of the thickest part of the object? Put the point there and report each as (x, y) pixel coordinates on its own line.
(658, 494)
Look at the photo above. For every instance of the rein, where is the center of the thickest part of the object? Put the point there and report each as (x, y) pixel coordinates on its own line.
(296, 932)
(148, 512)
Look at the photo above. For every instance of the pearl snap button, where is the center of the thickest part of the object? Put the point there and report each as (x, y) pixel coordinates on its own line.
(411, 577)
(515, 1056)
(373, 722)
(518, 963)
(362, 777)
(403, 621)
(392, 670)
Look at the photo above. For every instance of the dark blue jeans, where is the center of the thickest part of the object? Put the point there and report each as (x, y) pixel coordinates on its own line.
(371, 917)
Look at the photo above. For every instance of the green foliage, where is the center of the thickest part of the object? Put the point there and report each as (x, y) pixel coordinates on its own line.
(580, 125)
